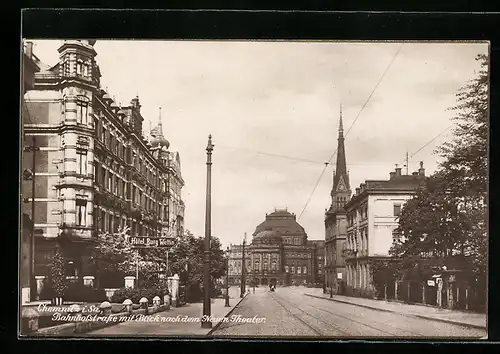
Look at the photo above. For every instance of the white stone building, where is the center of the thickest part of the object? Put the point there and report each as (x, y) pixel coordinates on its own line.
(372, 217)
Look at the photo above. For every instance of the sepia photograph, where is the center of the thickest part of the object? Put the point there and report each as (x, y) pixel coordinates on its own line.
(253, 189)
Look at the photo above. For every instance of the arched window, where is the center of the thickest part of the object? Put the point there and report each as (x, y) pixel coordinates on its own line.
(304, 270)
(286, 269)
(273, 265)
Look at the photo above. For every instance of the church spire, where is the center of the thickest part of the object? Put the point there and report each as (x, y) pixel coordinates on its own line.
(341, 190)
(341, 126)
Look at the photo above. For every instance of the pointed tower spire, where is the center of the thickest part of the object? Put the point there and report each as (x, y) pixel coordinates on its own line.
(341, 125)
(341, 190)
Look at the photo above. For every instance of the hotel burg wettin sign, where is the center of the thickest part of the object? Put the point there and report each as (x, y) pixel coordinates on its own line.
(152, 241)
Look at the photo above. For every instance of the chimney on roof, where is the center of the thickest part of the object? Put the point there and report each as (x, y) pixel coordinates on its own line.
(392, 175)
(28, 49)
(357, 190)
(398, 171)
(421, 170)
(362, 186)
(415, 173)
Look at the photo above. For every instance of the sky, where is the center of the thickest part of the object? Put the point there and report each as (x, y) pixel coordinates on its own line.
(283, 98)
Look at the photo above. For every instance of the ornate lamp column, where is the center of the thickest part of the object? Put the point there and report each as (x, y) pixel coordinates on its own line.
(205, 322)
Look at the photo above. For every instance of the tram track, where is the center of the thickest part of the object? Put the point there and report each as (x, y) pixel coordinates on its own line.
(411, 333)
(283, 302)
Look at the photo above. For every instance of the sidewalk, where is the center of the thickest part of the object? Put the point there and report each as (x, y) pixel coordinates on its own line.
(468, 319)
(175, 328)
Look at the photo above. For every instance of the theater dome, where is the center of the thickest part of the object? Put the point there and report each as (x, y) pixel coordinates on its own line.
(281, 221)
(267, 236)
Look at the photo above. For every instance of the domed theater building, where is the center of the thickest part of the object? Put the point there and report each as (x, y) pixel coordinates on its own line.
(279, 253)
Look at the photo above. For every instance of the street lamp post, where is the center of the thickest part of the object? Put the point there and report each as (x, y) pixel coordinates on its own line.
(27, 175)
(227, 279)
(243, 267)
(206, 323)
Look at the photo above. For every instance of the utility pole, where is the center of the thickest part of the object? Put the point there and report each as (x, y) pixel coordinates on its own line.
(27, 176)
(227, 277)
(206, 322)
(406, 162)
(243, 267)
(137, 268)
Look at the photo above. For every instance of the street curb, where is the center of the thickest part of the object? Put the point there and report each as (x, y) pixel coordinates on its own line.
(469, 325)
(227, 315)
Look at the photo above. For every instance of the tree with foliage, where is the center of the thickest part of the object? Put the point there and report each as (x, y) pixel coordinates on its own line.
(466, 164)
(113, 254)
(186, 259)
(447, 216)
(189, 254)
(57, 278)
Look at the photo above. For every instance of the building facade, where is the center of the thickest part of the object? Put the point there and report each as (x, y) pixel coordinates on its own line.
(95, 169)
(279, 253)
(236, 262)
(372, 217)
(336, 222)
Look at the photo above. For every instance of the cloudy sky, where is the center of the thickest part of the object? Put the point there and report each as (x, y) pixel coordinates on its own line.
(283, 98)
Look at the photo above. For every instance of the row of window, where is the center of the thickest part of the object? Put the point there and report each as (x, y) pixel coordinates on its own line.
(78, 67)
(265, 265)
(362, 212)
(116, 185)
(341, 201)
(112, 223)
(358, 244)
(300, 270)
(293, 241)
(120, 150)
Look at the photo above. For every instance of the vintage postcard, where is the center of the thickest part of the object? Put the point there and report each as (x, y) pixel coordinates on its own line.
(254, 189)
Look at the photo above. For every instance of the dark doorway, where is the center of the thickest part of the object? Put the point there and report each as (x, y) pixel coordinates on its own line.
(264, 281)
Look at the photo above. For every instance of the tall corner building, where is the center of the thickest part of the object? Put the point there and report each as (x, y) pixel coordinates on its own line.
(94, 170)
(336, 221)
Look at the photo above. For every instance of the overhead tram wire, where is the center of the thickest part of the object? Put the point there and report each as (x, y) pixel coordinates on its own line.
(271, 154)
(286, 157)
(348, 130)
(430, 141)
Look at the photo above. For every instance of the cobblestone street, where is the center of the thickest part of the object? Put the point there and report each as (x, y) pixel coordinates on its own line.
(290, 312)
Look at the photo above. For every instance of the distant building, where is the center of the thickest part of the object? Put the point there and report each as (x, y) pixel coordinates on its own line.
(279, 253)
(372, 216)
(95, 169)
(235, 263)
(335, 221)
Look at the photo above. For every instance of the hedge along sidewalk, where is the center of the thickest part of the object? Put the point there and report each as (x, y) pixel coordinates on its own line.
(175, 328)
(467, 319)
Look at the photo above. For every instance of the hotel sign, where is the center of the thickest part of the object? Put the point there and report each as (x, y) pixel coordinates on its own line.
(152, 241)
